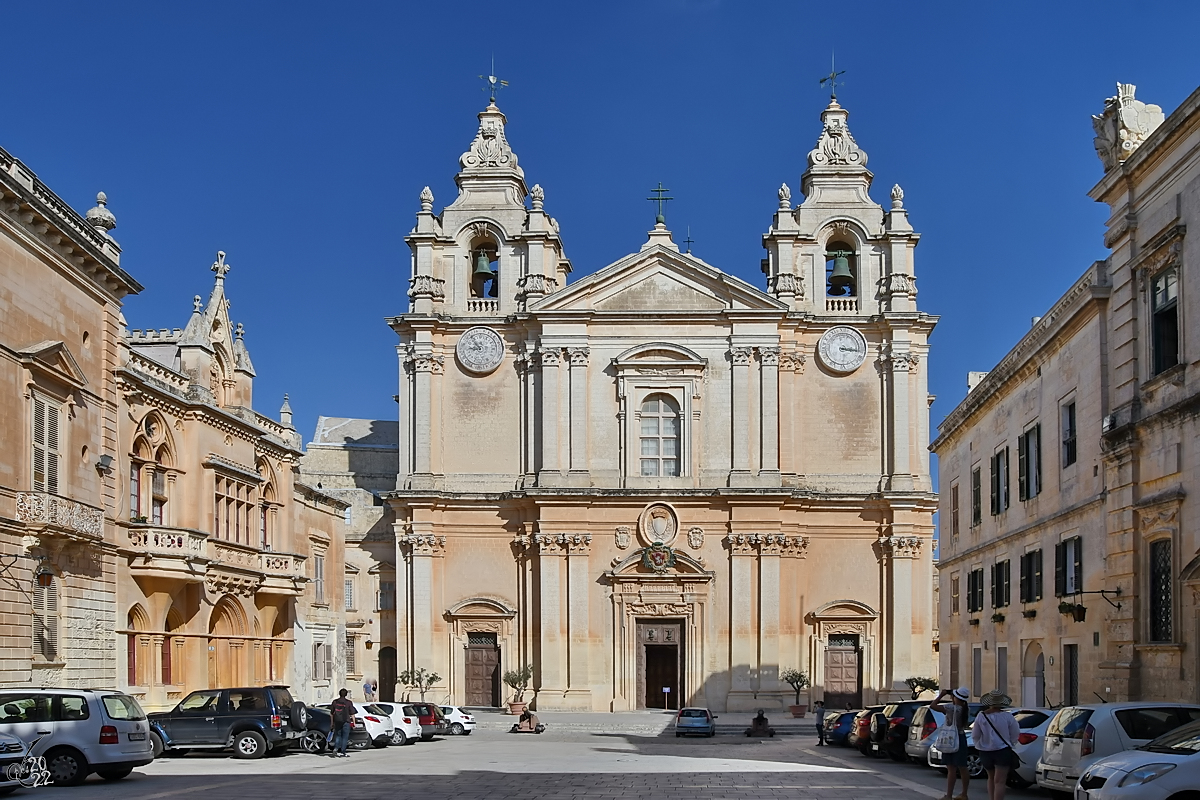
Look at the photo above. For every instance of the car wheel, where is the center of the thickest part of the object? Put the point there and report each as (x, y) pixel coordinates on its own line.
(313, 742)
(398, 738)
(67, 767)
(975, 765)
(298, 716)
(114, 774)
(156, 744)
(249, 744)
(456, 729)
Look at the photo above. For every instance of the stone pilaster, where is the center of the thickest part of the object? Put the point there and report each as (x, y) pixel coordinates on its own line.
(739, 358)
(578, 372)
(419, 551)
(551, 361)
(579, 675)
(769, 410)
(743, 645)
(899, 554)
(550, 680)
(900, 363)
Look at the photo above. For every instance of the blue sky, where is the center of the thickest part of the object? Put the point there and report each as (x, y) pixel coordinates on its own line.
(296, 137)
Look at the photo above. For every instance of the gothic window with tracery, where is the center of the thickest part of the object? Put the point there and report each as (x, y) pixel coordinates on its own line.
(1161, 598)
(660, 428)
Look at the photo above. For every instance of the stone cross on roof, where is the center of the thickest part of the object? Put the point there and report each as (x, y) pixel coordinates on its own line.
(219, 266)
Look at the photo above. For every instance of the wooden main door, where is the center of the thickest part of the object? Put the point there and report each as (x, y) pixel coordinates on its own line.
(483, 670)
(660, 663)
(843, 672)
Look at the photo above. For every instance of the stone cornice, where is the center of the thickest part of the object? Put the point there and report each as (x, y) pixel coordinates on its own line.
(1092, 285)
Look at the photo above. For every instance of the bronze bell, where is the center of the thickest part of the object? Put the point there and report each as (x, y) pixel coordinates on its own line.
(483, 266)
(841, 276)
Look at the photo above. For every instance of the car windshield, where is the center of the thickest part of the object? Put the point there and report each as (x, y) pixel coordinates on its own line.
(122, 706)
(1070, 722)
(693, 712)
(1181, 740)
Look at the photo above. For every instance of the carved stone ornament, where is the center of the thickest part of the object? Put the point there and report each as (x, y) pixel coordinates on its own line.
(836, 147)
(695, 538)
(740, 356)
(786, 283)
(426, 286)
(423, 544)
(903, 546)
(426, 200)
(534, 284)
(794, 361)
(785, 197)
(897, 198)
(624, 538)
(100, 217)
(842, 349)
(538, 196)
(480, 350)
(658, 558)
(660, 609)
(1124, 124)
(490, 149)
(769, 356)
(658, 525)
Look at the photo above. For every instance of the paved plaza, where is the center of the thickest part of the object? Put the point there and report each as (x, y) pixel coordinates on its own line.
(572, 759)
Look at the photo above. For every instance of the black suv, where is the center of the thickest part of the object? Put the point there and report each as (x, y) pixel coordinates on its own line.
(250, 721)
(889, 730)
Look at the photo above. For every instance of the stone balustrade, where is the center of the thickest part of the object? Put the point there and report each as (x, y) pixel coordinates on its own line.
(483, 305)
(167, 541)
(842, 305)
(234, 555)
(58, 513)
(285, 565)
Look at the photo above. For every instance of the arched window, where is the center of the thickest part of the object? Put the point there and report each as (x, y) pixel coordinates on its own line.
(45, 616)
(150, 462)
(485, 270)
(841, 269)
(659, 436)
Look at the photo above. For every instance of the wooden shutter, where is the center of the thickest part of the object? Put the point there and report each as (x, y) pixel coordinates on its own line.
(45, 616)
(1077, 566)
(995, 470)
(1036, 456)
(1004, 498)
(166, 661)
(970, 591)
(1025, 577)
(1006, 591)
(1022, 468)
(1060, 569)
(995, 570)
(1036, 589)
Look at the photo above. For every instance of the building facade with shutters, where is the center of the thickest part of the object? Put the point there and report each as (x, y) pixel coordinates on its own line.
(660, 484)
(60, 337)
(230, 567)
(1070, 559)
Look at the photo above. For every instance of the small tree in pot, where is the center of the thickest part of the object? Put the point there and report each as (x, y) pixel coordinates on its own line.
(420, 679)
(798, 680)
(518, 680)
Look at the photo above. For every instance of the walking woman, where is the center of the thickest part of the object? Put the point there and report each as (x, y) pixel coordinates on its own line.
(956, 715)
(994, 732)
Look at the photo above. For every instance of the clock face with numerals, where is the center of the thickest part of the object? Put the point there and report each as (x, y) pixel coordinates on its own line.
(842, 349)
(480, 350)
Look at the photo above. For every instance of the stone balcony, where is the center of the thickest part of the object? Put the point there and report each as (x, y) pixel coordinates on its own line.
(283, 573)
(841, 305)
(483, 305)
(48, 515)
(172, 553)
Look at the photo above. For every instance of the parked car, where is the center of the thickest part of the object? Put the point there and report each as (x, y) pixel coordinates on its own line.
(406, 724)
(375, 721)
(695, 722)
(316, 738)
(924, 724)
(838, 725)
(860, 731)
(461, 723)
(1032, 722)
(12, 751)
(1167, 767)
(433, 721)
(105, 732)
(1079, 736)
(889, 731)
(250, 721)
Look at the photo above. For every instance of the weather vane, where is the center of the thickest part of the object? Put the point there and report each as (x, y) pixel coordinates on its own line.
(660, 199)
(832, 78)
(494, 84)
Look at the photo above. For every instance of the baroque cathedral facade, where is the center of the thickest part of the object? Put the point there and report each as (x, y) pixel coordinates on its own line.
(658, 484)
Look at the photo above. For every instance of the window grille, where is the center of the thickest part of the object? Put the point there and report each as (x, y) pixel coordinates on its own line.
(659, 436)
(1161, 597)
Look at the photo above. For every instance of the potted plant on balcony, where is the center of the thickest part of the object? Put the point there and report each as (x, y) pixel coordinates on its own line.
(1066, 607)
(518, 680)
(997, 617)
(799, 681)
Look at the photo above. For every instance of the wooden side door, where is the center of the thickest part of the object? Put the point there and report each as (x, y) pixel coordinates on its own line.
(843, 673)
(483, 669)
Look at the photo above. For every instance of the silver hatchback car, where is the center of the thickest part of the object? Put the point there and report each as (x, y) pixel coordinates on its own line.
(695, 722)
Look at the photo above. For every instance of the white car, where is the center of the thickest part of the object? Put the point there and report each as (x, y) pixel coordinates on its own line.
(1168, 767)
(1079, 736)
(459, 722)
(12, 751)
(378, 723)
(81, 731)
(1032, 722)
(407, 725)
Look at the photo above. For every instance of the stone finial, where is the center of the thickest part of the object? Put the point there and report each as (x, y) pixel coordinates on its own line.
(836, 146)
(785, 197)
(239, 332)
(100, 217)
(426, 200)
(285, 412)
(897, 198)
(219, 266)
(538, 195)
(1124, 124)
(196, 304)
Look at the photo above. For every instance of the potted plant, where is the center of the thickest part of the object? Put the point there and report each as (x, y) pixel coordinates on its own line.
(420, 679)
(518, 680)
(1066, 607)
(997, 617)
(798, 680)
(919, 685)
(1029, 614)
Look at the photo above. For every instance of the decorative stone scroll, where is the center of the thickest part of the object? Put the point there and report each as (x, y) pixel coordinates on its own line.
(786, 283)
(660, 609)
(1124, 124)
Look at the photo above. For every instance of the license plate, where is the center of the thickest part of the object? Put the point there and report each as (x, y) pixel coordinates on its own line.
(874, 747)
(137, 737)
(1053, 775)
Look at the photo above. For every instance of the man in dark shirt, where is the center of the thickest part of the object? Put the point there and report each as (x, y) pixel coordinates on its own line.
(819, 711)
(341, 712)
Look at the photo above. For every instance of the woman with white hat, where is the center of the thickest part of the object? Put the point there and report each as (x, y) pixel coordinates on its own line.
(994, 732)
(956, 712)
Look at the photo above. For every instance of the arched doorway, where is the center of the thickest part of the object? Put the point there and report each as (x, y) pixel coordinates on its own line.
(1033, 676)
(226, 650)
(387, 674)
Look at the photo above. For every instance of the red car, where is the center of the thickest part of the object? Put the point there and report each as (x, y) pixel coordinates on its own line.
(433, 721)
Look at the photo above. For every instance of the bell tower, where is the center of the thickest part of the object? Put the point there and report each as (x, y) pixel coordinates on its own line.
(487, 254)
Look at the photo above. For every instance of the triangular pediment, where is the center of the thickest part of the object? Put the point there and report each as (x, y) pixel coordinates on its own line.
(659, 280)
(54, 359)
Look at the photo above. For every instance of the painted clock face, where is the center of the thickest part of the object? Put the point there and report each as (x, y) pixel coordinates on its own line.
(842, 349)
(480, 350)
